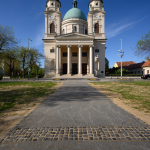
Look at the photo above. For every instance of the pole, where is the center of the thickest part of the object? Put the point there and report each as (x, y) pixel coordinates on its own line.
(28, 58)
(121, 58)
(121, 55)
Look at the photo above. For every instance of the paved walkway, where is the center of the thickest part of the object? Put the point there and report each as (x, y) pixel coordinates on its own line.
(78, 117)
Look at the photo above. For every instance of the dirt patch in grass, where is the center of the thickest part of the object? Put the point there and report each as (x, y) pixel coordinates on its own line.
(131, 97)
(22, 99)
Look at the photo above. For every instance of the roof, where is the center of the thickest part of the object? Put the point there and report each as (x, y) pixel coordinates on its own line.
(126, 63)
(133, 66)
(146, 64)
(74, 13)
(56, 0)
(93, 0)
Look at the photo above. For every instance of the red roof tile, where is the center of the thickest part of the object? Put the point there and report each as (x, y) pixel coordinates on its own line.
(146, 64)
(133, 66)
(126, 63)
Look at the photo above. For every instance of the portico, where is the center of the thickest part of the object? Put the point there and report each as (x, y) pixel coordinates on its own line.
(74, 59)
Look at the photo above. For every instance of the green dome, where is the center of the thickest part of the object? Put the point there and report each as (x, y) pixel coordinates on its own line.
(74, 13)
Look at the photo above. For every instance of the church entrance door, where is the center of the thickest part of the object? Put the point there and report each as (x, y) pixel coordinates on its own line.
(65, 68)
(74, 68)
(84, 68)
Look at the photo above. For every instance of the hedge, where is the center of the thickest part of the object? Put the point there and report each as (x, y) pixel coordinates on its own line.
(125, 75)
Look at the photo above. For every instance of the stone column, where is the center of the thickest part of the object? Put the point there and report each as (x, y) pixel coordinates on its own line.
(91, 60)
(91, 24)
(46, 23)
(83, 29)
(103, 26)
(58, 25)
(69, 61)
(57, 60)
(80, 60)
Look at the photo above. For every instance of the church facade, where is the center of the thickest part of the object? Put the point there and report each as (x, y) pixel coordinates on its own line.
(74, 44)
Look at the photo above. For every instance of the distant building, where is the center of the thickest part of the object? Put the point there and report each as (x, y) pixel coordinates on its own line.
(135, 68)
(146, 67)
(126, 63)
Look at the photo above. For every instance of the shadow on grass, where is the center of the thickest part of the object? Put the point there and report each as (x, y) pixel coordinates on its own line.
(22, 96)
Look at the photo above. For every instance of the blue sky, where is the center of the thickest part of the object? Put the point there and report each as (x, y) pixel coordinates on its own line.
(126, 19)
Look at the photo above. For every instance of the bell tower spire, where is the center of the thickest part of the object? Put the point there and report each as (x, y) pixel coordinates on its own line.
(75, 4)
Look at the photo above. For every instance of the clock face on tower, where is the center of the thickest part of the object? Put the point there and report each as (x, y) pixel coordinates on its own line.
(52, 17)
(96, 17)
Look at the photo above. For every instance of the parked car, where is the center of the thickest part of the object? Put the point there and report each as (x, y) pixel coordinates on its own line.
(147, 76)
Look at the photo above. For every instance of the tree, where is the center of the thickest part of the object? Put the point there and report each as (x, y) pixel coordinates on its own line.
(106, 63)
(124, 71)
(10, 59)
(23, 54)
(34, 58)
(143, 46)
(30, 58)
(7, 39)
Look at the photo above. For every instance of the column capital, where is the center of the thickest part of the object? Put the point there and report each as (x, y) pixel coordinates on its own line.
(58, 46)
(80, 45)
(68, 45)
(91, 45)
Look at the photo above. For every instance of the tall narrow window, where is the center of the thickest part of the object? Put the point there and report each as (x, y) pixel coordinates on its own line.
(63, 31)
(85, 31)
(74, 29)
(52, 28)
(96, 28)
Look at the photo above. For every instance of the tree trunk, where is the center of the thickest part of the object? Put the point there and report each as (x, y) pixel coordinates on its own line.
(10, 69)
(23, 67)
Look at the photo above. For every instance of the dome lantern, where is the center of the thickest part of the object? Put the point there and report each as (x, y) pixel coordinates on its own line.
(75, 4)
(74, 13)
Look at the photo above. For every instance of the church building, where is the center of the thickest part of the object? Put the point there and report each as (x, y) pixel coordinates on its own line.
(74, 44)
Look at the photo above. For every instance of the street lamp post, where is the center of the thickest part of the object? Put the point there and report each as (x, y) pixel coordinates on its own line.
(121, 55)
(28, 57)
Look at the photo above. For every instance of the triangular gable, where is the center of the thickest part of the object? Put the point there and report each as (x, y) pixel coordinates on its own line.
(74, 36)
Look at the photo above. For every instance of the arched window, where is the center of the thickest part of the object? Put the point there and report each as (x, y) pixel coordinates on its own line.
(86, 31)
(74, 29)
(63, 31)
(52, 28)
(96, 28)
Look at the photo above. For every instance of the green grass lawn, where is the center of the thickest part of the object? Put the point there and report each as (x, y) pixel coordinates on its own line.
(16, 93)
(137, 92)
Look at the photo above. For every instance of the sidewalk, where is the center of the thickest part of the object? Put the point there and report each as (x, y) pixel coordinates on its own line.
(77, 116)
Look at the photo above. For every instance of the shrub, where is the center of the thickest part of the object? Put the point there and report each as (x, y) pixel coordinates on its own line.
(30, 76)
(125, 75)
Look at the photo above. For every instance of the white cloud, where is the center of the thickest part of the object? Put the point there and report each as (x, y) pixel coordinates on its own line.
(117, 28)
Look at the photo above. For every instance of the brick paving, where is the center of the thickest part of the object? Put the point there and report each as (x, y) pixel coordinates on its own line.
(97, 133)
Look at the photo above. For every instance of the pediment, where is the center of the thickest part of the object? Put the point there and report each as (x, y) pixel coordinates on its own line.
(74, 36)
